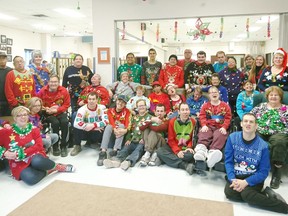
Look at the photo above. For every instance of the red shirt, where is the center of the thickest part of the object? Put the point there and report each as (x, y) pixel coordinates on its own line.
(161, 98)
(58, 98)
(101, 92)
(19, 87)
(122, 117)
(36, 148)
(171, 74)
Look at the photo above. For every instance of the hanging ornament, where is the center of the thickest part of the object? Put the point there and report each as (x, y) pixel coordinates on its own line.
(157, 33)
(123, 31)
(202, 30)
(221, 28)
(247, 27)
(143, 28)
(268, 28)
(175, 30)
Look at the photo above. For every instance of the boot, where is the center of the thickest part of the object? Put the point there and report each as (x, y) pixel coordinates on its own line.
(276, 177)
(102, 157)
(200, 152)
(56, 150)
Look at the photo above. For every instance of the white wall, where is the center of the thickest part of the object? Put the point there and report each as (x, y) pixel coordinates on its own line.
(104, 15)
(44, 42)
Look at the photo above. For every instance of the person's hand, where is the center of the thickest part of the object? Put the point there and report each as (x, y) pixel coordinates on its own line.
(81, 103)
(10, 155)
(101, 129)
(141, 142)
(188, 90)
(180, 154)
(189, 150)
(238, 184)
(204, 129)
(110, 93)
(197, 114)
(156, 120)
(128, 142)
(88, 127)
(223, 131)
(7, 126)
(48, 137)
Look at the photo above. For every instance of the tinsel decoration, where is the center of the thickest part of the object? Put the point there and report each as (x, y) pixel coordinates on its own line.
(268, 28)
(157, 33)
(202, 30)
(247, 27)
(175, 30)
(222, 27)
(123, 31)
(142, 30)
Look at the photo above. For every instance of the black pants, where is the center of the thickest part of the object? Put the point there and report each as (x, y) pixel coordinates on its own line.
(254, 196)
(59, 122)
(166, 155)
(90, 136)
(37, 170)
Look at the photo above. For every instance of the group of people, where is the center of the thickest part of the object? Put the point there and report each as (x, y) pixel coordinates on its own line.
(158, 127)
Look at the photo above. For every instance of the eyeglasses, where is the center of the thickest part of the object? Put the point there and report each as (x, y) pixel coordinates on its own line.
(22, 115)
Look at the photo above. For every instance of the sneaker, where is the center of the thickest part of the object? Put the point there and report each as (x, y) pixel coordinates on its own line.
(271, 193)
(111, 163)
(214, 156)
(102, 157)
(153, 159)
(56, 151)
(145, 159)
(112, 153)
(200, 152)
(64, 168)
(64, 152)
(190, 168)
(125, 165)
(76, 150)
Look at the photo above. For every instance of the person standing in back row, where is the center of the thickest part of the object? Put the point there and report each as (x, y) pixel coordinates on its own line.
(76, 78)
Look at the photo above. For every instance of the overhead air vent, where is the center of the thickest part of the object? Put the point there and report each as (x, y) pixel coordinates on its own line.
(39, 15)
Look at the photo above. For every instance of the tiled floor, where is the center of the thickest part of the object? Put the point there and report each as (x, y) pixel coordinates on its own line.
(162, 179)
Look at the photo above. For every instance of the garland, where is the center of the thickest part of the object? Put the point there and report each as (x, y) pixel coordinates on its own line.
(24, 131)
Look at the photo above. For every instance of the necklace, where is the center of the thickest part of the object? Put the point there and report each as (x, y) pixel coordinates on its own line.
(22, 131)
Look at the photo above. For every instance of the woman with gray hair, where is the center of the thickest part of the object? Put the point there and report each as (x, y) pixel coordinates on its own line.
(40, 73)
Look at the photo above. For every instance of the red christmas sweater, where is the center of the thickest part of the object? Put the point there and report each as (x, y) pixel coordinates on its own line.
(117, 118)
(31, 143)
(101, 91)
(161, 98)
(19, 87)
(171, 74)
(180, 134)
(218, 116)
(59, 98)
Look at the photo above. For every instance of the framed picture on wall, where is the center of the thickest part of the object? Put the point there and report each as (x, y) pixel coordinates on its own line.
(9, 58)
(9, 50)
(103, 55)
(3, 39)
(9, 41)
(2, 46)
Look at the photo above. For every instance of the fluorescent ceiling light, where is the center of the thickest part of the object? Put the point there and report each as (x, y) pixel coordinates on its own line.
(69, 12)
(237, 39)
(7, 17)
(244, 35)
(44, 27)
(264, 19)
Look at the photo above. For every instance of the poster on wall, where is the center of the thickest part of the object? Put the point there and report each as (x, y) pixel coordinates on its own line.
(3, 39)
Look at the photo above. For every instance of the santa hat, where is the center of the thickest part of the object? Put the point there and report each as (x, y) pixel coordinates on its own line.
(284, 64)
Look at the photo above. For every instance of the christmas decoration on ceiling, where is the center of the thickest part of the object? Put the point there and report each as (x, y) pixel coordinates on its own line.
(247, 27)
(202, 30)
(175, 30)
(221, 27)
(268, 28)
(123, 31)
(157, 33)
(143, 28)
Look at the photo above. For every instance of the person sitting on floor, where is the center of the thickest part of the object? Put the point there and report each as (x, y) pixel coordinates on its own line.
(134, 145)
(89, 123)
(154, 136)
(114, 133)
(178, 153)
(247, 165)
(22, 146)
(215, 117)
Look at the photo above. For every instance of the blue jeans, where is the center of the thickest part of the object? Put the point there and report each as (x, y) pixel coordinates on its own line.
(132, 152)
(37, 169)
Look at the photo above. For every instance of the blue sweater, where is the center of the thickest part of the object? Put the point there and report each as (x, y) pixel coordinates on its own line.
(195, 106)
(247, 159)
(244, 103)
